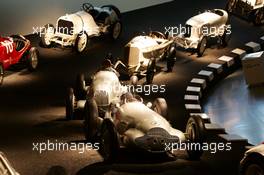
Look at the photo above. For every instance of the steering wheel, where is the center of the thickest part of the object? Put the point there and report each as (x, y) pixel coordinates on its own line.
(87, 7)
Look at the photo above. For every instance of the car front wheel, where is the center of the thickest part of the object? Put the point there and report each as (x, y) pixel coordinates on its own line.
(1, 74)
(46, 35)
(33, 59)
(195, 131)
(81, 42)
(202, 46)
(151, 69)
(109, 144)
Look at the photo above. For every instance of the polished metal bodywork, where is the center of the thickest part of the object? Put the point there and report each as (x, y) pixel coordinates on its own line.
(208, 24)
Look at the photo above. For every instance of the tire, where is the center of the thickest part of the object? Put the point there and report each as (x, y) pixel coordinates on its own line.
(171, 58)
(80, 87)
(116, 30)
(253, 165)
(195, 131)
(151, 69)
(202, 46)
(2, 74)
(109, 144)
(46, 35)
(33, 59)
(91, 120)
(160, 106)
(81, 42)
(259, 17)
(230, 6)
(225, 38)
(117, 11)
(70, 100)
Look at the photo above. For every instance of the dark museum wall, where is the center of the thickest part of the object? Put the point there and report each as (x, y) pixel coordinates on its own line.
(20, 16)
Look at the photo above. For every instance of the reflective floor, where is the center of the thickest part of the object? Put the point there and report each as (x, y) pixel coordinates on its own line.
(238, 108)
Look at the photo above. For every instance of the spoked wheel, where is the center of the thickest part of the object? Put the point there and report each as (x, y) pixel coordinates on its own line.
(202, 46)
(33, 59)
(259, 17)
(1, 74)
(151, 69)
(195, 131)
(109, 144)
(160, 106)
(116, 30)
(230, 6)
(70, 100)
(91, 120)
(81, 42)
(46, 34)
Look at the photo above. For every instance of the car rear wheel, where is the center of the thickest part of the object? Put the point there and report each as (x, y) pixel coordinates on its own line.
(171, 58)
(151, 69)
(109, 144)
(160, 106)
(253, 165)
(91, 120)
(81, 42)
(70, 100)
(259, 17)
(46, 35)
(202, 46)
(1, 74)
(195, 131)
(230, 6)
(116, 30)
(33, 59)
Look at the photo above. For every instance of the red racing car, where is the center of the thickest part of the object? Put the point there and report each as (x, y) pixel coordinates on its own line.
(17, 49)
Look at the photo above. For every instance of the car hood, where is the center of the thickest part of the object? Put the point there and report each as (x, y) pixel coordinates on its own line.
(203, 18)
(142, 117)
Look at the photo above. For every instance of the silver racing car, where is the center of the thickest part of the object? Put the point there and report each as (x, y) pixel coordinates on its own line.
(133, 124)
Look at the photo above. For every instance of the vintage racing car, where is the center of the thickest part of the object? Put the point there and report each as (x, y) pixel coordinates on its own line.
(104, 85)
(253, 161)
(202, 27)
(78, 28)
(253, 10)
(17, 49)
(142, 53)
(6, 167)
(133, 124)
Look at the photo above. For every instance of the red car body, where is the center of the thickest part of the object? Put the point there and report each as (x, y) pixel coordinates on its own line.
(10, 53)
(16, 49)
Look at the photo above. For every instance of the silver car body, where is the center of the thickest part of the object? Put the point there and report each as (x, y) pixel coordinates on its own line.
(134, 120)
(210, 23)
(140, 50)
(70, 25)
(107, 90)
